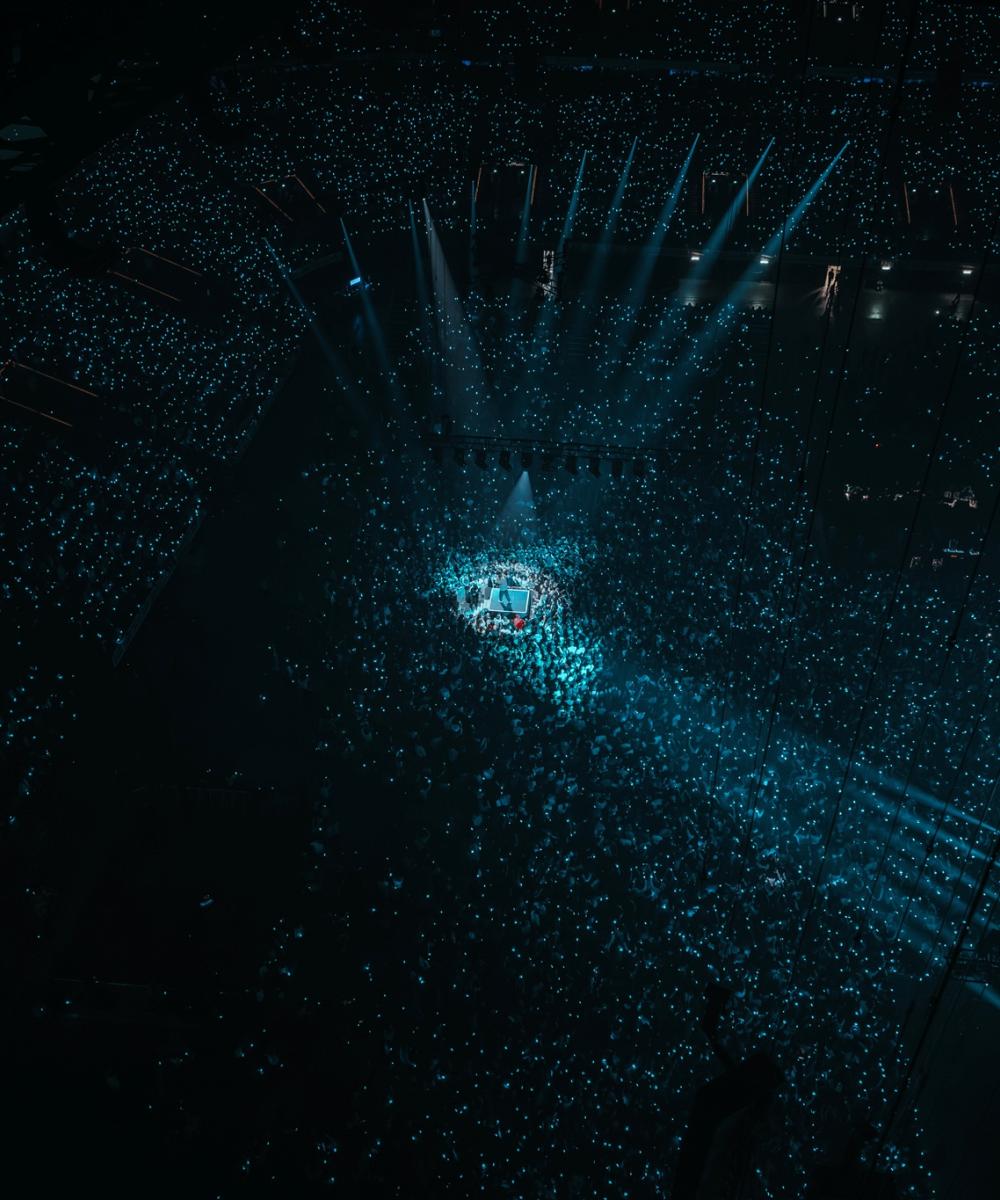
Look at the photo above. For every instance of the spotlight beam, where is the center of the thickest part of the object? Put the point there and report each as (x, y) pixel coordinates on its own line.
(340, 375)
(517, 288)
(465, 379)
(709, 254)
(371, 320)
(598, 262)
(646, 264)
(546, 315)
(518, 520)
(423, 293)
(722, 320)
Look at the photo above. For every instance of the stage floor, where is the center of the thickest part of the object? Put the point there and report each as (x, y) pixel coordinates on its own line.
(510, 600)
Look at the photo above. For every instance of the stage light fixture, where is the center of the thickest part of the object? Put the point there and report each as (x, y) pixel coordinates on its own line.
(594, 465)
(571, 463)
(617, 466)
(481, 459)
(505, 459)
(548, 461)
(460, 456)
(527, 458)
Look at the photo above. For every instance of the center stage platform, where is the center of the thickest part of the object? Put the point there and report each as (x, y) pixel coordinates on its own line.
(515, 601)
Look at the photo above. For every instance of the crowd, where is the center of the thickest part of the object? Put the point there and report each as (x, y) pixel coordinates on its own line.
(398, 131)
(638, 793)
(520, 981)
(719, 34)
(96, 516)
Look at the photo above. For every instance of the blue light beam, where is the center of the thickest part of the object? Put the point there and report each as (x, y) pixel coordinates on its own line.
(639, 286)
(598, 262)
(705, 345)
(371, 319)
(708, 256)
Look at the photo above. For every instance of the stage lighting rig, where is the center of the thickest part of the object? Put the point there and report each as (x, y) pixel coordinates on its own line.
(545, 455)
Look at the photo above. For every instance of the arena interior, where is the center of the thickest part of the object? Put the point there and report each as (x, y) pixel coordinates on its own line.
(499, 568)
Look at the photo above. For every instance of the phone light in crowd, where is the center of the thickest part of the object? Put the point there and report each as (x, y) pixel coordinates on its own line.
(887, 266)
(764, 260)
(695, 257)
(355, 282)
(967, 270)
